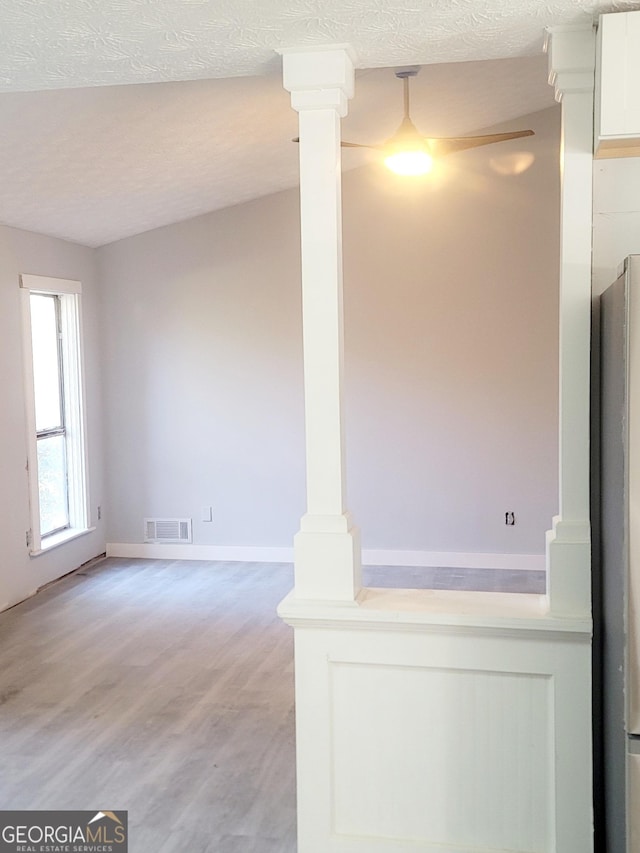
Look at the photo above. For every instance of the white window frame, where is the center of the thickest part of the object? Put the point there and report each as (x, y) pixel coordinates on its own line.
(70, 293)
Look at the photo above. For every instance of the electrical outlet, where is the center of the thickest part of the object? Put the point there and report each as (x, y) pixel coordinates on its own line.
(206, 513)
(509, 518)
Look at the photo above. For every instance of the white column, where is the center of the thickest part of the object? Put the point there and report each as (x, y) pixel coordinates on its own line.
(571, 71)
(327, 548)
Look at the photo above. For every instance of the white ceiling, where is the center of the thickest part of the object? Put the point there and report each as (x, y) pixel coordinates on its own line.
(87, 156)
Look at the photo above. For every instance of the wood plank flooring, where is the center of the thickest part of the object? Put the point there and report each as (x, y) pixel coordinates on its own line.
(166, 688)
(159, 687)
(476, 580)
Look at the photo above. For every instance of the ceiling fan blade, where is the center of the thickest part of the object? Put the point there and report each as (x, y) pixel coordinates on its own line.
(359, 145)
(351, 144)
(441, 147)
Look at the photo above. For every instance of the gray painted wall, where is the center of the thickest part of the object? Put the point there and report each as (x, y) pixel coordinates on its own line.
(203, 375)
(451, 362)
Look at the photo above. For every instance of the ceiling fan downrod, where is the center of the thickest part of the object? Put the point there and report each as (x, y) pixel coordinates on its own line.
(404, 74)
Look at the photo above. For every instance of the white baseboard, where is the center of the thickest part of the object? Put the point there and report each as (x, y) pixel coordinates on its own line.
(225, 553)
(370, 557)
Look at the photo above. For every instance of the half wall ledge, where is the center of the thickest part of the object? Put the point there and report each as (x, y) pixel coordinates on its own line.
(422, 609)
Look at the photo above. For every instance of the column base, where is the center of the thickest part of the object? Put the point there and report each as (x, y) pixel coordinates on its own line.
(328, 563)
(569, 569)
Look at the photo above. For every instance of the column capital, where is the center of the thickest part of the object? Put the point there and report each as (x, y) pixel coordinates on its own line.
(572, 58)
(319, 77)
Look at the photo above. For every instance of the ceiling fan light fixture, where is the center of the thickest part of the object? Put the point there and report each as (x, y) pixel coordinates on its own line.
(409, 162)
(407, 152)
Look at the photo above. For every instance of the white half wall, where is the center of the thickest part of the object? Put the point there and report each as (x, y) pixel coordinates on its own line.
(23, 252)
(441, 722)
(451, 362)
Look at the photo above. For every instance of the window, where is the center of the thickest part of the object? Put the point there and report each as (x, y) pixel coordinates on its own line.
(56, 460)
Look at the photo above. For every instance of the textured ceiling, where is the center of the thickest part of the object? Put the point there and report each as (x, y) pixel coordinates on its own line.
(60, 43)
(89, 159)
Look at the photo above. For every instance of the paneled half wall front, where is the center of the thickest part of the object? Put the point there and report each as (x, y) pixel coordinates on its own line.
(453, 730)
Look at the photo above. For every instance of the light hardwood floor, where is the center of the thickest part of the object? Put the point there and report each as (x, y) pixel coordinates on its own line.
(166, 688)
(159, 687)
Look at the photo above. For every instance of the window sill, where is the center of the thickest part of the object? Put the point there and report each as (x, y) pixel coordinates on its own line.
(61, 538)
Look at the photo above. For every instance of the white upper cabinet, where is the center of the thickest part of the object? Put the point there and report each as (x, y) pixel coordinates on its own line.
(617, 103)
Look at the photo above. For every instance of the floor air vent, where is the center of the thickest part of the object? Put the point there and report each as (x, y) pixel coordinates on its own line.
(170, 530)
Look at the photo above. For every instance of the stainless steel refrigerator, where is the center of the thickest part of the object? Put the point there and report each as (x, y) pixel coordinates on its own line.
(617, 565)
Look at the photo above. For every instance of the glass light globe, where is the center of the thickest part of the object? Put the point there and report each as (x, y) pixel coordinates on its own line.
(416, 162)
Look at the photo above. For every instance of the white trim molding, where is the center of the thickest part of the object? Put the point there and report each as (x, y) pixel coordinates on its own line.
(61, 538)
(370, 557)
(214, 553)
(70, 293)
